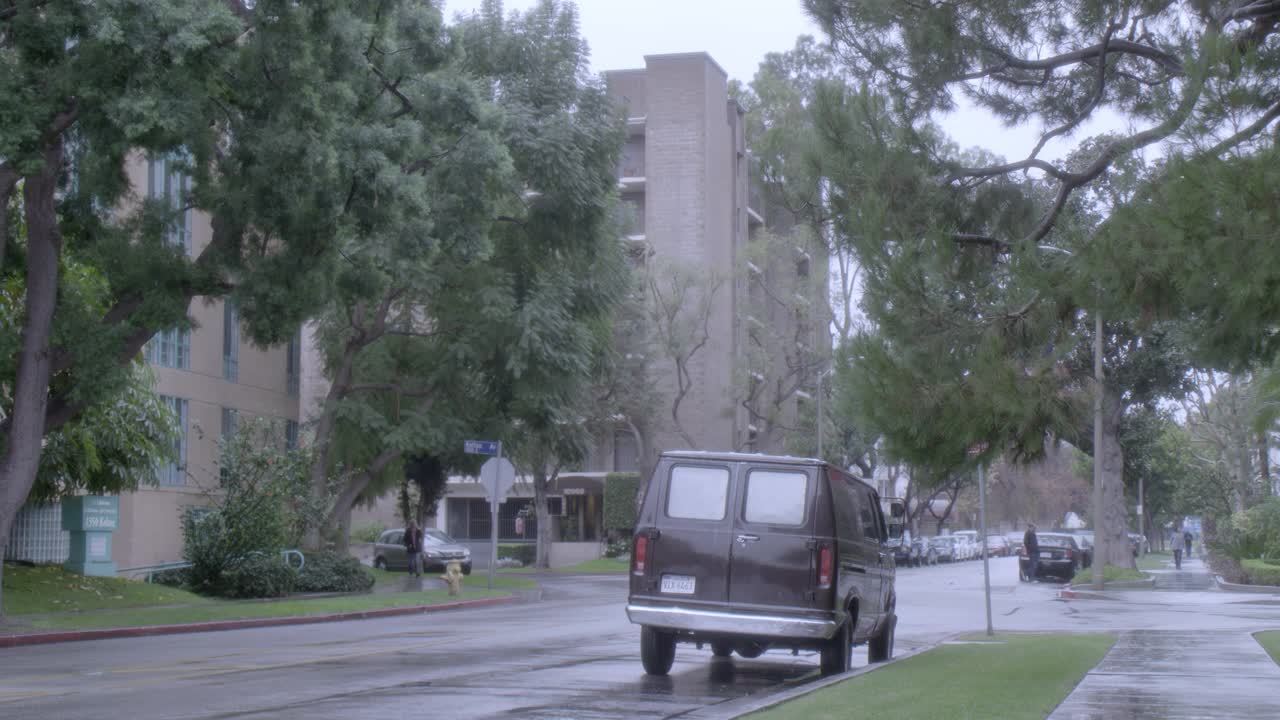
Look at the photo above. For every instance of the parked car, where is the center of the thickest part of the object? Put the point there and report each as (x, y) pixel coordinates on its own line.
(944, 548)
(438, 550)
(1085, 541)
(965, 548)
(1059, 556)
(748, 552)
(904, 553)
(926, 554)
(997, 546)
(1015, 542)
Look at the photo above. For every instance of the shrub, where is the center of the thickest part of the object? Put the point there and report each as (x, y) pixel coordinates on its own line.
(257, 576)
(177, 577)
(329, 571)
(526, 553)
(621, 492)
(369, 533)
(618, 548)
(1261, 572)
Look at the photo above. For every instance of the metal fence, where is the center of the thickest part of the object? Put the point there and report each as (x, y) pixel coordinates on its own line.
(37, 535)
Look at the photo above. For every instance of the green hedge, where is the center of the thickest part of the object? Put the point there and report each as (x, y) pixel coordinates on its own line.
(1261, 572)
(620, 490)
(328, 571)
(526, 553)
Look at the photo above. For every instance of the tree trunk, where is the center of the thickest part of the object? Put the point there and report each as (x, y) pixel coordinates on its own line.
(342, 542)
(1112, 531)
(23, 444)
(1264, 464)
(541, 483)
(324, 434)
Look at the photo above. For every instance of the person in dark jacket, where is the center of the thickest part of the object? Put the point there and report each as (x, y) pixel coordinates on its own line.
(1032, 546)
(413, 548)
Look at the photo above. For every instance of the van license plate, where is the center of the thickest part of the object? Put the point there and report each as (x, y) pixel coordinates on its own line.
(1046, 554)
(679, 584)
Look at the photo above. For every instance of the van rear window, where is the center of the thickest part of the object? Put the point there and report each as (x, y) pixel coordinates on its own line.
(698, 493)
(776, 498)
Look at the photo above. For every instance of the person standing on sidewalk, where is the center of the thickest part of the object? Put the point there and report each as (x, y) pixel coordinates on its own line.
(413, 547)
(1186, 540)
(1031, 544)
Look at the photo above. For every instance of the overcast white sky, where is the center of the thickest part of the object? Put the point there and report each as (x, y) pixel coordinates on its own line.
(737, 33)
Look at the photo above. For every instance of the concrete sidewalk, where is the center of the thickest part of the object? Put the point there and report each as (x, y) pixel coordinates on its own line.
(1160, 675)
(1178, 675)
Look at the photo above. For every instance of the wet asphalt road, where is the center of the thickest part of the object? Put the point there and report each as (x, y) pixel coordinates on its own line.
(571, 655)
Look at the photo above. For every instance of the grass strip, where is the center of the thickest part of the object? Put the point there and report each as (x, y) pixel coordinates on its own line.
(478, 579)
(228, 610)
(1022, 677)
(49, 589)
(599, 565)
(1270, 641)
(1155, 561)
(1110, 573)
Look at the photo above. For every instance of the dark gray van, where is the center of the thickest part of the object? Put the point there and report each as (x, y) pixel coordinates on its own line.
(748, 552)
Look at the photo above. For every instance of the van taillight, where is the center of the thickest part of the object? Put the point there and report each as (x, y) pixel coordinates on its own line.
(826, 558)
(1070, 555)
(641, 553)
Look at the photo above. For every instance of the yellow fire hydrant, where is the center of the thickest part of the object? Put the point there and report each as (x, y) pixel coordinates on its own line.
(453, 577)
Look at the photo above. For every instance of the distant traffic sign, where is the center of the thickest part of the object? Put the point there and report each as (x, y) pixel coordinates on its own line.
(497, 475)
(480, 447)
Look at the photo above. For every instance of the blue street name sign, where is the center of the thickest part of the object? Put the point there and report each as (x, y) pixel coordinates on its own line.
(480, 447)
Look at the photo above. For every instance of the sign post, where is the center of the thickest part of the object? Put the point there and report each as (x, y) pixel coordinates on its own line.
(975, 451)
(495, 489)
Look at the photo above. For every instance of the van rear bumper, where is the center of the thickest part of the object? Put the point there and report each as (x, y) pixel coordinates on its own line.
(731, 623)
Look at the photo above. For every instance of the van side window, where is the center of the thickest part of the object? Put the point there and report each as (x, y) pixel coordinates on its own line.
(776, 498)
(698, 493)
(866, 510)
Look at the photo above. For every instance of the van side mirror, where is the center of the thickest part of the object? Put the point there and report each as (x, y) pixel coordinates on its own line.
(897, 510)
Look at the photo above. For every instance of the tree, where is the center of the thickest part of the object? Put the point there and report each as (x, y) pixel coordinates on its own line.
(250, 101)
(680, 302)
(558, 269)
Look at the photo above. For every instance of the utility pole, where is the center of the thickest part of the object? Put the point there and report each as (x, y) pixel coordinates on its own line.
(1099, 538)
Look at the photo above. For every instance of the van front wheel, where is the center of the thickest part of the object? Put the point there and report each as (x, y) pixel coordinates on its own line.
(657, 650)
(837, 653)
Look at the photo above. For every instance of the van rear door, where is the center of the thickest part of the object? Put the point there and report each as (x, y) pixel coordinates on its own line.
(774, 551)
(688, 546)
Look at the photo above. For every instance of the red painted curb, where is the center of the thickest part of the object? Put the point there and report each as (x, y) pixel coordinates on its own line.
(8, 641)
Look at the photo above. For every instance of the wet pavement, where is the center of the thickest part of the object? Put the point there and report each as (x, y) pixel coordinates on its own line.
(1180, 674)
(570, 655)
(1161, 675)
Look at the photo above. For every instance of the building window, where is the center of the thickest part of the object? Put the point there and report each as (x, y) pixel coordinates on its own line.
(167, 183)
(174, 471)
(230, 420)
(230, 341)
(170, 348)
(293, 364)
(291, 434)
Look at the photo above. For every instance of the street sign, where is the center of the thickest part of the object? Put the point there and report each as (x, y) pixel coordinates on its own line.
(480, 447)
(497, 472)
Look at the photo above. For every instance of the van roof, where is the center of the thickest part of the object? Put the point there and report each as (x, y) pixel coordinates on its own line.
(741, 457)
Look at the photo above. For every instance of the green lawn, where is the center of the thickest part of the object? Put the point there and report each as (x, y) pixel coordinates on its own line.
(478, 579)
(599, 565)
(1110, 573)
(227, 610)
(49, 588)
(1021, 677)
(1270, 641)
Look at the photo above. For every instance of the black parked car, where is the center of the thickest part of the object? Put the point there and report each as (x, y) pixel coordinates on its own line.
(1060, 556)
(905, 554)
(925, 553)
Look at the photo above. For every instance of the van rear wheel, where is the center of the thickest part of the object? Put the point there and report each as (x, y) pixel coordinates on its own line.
(657, 650)
(880, 648)
(837, 653)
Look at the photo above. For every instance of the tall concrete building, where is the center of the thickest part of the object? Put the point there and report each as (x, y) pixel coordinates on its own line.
(686, 173)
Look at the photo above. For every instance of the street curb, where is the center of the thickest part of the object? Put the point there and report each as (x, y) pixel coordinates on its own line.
(1068, 594)
(1241, 588)
(737, 711)
(44, 638)
(1126, 585)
